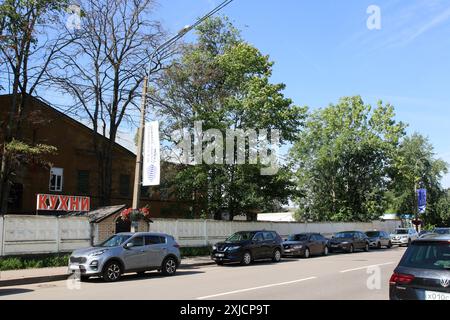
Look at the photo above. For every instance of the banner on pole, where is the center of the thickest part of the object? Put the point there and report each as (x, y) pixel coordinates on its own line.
(151, 171)
(422, 200)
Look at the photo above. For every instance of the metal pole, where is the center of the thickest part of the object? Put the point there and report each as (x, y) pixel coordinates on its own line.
(138, 169)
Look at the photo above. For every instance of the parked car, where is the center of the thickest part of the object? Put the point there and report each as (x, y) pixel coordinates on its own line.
(305, 245)
(349, 241)
(441, 230)
(248, 246)
(424, 271)
(379, 239)
(125, 253)
(424, 233)
(404, 236)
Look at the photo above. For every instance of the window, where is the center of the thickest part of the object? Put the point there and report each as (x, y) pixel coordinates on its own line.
(56, 179)
(137, 241)
(124, 185)
(258, 237)
(83, 182)
(151, 240)
(269, 236)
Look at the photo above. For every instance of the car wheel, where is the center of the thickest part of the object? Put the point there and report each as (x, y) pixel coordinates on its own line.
(366, 248)
(112, 271)
(169, 267)
(351, 249)
(307, 253)
(219, 263)
(276, 255)
(246, 259)
(379, 245)
(325, 251)
(389, 246)
(84, 278)
(409, 243)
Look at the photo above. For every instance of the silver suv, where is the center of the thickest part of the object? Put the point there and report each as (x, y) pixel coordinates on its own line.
(125, 253)
(404, 236)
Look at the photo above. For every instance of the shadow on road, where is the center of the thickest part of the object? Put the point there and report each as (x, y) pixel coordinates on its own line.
(146, 276)
(8, 292)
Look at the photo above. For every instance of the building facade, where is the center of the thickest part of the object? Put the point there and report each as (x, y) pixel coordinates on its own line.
(74, 170)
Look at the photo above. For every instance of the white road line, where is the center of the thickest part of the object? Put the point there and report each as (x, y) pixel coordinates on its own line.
(366, 267)
(255, 288)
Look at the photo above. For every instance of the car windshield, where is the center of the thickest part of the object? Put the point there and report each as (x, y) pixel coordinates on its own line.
(428, 255)
(298, 237)
(442, 231)
(114, 241)
(372, 234)
(241, 236)
(401, 231)
(343, 235)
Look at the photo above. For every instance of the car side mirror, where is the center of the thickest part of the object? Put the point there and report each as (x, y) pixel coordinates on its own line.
(129, 245)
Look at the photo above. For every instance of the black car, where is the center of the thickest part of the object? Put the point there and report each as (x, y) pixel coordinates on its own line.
(248, 246)
(349, 241)
(305, 245)
(424, 271)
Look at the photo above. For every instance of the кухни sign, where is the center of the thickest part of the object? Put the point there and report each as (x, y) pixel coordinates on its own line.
(46, 202)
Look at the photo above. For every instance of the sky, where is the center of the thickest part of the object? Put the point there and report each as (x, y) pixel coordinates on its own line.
(324, 50)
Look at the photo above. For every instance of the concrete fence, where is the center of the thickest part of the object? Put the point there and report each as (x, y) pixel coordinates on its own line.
(21, 235)
(194, 233)
(27, 235)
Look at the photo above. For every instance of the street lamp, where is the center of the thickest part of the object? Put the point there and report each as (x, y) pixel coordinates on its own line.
(168, 43)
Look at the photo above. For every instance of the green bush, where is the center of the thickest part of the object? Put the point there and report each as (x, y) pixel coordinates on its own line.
(195, 252)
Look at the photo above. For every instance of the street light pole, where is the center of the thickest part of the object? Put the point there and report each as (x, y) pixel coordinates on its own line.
(139, 157)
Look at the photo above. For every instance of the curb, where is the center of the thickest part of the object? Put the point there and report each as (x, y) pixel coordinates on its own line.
(60, 277)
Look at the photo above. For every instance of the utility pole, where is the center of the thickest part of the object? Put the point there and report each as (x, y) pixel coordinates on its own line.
(141, 130)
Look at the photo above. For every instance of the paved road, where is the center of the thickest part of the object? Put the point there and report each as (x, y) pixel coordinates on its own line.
(338, 276)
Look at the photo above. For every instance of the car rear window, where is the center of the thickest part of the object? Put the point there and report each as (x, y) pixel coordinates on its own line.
(428, 255)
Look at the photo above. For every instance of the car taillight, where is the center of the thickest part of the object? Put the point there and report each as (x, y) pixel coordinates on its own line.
(398, 278)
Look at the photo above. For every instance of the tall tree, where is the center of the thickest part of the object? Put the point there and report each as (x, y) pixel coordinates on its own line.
(104, 69)
(342, 159)
(28, 44)
(224, 82)
(416, 167)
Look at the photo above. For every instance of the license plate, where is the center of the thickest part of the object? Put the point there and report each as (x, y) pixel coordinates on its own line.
(288, 250)
(220, 255)
(436, 296)
(74, 267)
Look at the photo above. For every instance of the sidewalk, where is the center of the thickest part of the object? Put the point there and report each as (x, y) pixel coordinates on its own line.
(30, 276)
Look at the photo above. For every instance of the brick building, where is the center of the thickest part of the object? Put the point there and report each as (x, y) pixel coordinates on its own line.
(74, 170)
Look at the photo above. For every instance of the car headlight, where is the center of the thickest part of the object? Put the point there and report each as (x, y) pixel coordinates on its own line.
(235, 248)
(97, 253)
(214, 247)
(345, 242)
(298, 247)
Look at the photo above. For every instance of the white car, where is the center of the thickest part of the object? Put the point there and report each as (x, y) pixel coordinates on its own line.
(404, 236)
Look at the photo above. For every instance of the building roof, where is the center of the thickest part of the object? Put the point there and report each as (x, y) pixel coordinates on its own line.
(101, 214)
(47, 105)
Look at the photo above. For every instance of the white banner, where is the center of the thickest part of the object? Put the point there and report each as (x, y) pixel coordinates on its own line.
(151, 171)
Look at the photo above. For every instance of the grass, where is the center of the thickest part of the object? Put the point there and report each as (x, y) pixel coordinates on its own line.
(33, 262)
(61, 260)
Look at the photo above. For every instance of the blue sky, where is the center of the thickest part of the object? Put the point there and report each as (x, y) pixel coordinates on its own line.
(323, 50)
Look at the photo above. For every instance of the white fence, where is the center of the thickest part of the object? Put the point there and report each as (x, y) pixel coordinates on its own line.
(195, 233)
(21, 235)
(36, 234)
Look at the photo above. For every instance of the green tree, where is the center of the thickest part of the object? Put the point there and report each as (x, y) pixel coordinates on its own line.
(416, 167)
(342, 159)
(224, 82)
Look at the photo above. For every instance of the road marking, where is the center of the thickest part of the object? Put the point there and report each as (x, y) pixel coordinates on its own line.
(255, 288)
(366, 267)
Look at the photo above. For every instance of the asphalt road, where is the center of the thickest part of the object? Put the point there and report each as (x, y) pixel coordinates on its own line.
(358, 276)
